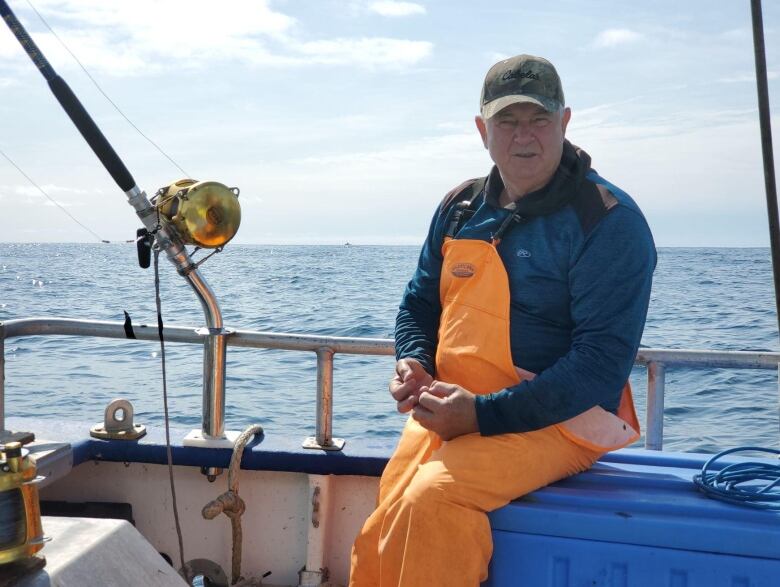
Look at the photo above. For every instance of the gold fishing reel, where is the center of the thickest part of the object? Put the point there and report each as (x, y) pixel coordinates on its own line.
(21, 533)
(203, 213)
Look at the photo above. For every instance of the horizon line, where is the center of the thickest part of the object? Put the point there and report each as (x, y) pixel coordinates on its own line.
(346, 243)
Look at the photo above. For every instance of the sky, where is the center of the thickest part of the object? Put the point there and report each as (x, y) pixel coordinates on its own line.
(348, 120)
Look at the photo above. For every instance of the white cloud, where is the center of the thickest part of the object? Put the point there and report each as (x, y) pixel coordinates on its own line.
(641, 155)
(496, 57)
(409, 174)
(28, 195)
(9, 47)
(750, 77)
(389, 8)
(32, 201)
(151, 36)
(448, 147)
(252, 200)
(449, 126)
(367, 52)
(612, 122)
(59, 204)
(174, 22)
(614, 37)
(96, 50)
(29, 190)
(428, 159)
(735, 34)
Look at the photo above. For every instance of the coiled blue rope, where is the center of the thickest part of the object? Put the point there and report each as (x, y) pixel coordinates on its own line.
(752, 484)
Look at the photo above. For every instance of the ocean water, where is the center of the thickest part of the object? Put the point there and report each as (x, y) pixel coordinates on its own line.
(702, 299)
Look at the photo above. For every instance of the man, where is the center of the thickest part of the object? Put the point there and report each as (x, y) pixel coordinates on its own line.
(514, 339)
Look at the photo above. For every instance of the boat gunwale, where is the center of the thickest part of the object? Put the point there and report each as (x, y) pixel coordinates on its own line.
(325, 347)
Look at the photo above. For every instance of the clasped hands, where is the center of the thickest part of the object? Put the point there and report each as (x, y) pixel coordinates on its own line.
(443, 408)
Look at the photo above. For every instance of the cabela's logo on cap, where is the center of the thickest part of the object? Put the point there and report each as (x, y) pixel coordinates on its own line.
(519, 74)
(463, 270)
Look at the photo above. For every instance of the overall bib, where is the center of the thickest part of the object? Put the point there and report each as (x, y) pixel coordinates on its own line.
(430, 527)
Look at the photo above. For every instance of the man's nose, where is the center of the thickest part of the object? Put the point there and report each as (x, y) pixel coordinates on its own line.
(523, 132)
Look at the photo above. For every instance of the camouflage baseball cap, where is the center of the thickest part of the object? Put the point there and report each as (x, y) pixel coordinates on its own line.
(523, 78)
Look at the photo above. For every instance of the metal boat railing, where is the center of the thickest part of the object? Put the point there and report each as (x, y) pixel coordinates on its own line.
(326, 347)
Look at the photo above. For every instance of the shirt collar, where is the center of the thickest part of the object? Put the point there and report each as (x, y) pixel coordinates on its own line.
(554, 195)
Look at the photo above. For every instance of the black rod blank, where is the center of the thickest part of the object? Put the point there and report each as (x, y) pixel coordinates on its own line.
(766, 147)
(26, 41)
(70, 103)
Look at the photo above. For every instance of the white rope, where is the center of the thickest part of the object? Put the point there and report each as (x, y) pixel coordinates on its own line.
(230, 504)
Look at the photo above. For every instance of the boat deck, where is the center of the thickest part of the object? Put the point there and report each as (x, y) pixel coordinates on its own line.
(634, 519)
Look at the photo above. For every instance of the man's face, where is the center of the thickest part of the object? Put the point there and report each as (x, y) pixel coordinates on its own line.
(525, 142)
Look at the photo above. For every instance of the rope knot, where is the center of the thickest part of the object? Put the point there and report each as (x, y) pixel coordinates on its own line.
(229, 503)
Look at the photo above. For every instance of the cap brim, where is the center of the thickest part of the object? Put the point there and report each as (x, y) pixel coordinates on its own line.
(492, 108)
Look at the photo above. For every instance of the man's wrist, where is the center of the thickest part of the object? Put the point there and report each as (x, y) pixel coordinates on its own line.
(426, 362)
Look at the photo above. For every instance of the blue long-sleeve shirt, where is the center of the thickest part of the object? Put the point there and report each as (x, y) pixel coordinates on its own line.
(580, 281)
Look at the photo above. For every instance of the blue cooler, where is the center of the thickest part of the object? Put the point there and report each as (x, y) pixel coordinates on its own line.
(634, 520)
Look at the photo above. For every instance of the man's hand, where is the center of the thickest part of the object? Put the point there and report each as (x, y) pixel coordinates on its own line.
(446, 409)
(409, 378)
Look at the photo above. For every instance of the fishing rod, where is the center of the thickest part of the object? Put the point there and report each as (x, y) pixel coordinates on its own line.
(205, 214)
(766, 146)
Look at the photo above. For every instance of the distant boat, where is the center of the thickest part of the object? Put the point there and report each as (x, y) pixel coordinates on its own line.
(347, 244)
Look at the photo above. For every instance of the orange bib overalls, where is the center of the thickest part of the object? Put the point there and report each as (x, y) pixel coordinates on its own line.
(430, 527)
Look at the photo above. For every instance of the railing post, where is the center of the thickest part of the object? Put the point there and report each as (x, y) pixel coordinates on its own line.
(656, 383)
(324, 396)
(2, 377)
(323, 439)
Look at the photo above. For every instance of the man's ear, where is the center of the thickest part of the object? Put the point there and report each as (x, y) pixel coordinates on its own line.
(565, 118)
(482, 128)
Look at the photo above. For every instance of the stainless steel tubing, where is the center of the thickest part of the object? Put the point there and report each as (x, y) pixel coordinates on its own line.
(214, 363)
(239, 338)
(214, 355)
(214, 358)
(324, 433)
(326, 347)
(709, 359)
(656, 384)
(2, 377)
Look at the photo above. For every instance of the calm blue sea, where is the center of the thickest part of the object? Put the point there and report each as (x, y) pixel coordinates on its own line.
(702, 298)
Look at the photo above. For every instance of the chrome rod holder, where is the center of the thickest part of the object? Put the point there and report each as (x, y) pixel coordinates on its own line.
(214, 347)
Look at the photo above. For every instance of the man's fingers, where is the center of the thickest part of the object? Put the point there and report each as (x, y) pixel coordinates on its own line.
(407, 404)
(404, 370)
(422, 415)
(430, 401)
(402, 389)
(404, 383)
(440, 389)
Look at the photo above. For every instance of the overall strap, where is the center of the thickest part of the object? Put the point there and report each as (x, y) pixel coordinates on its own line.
(514, 218)
(464, 209)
